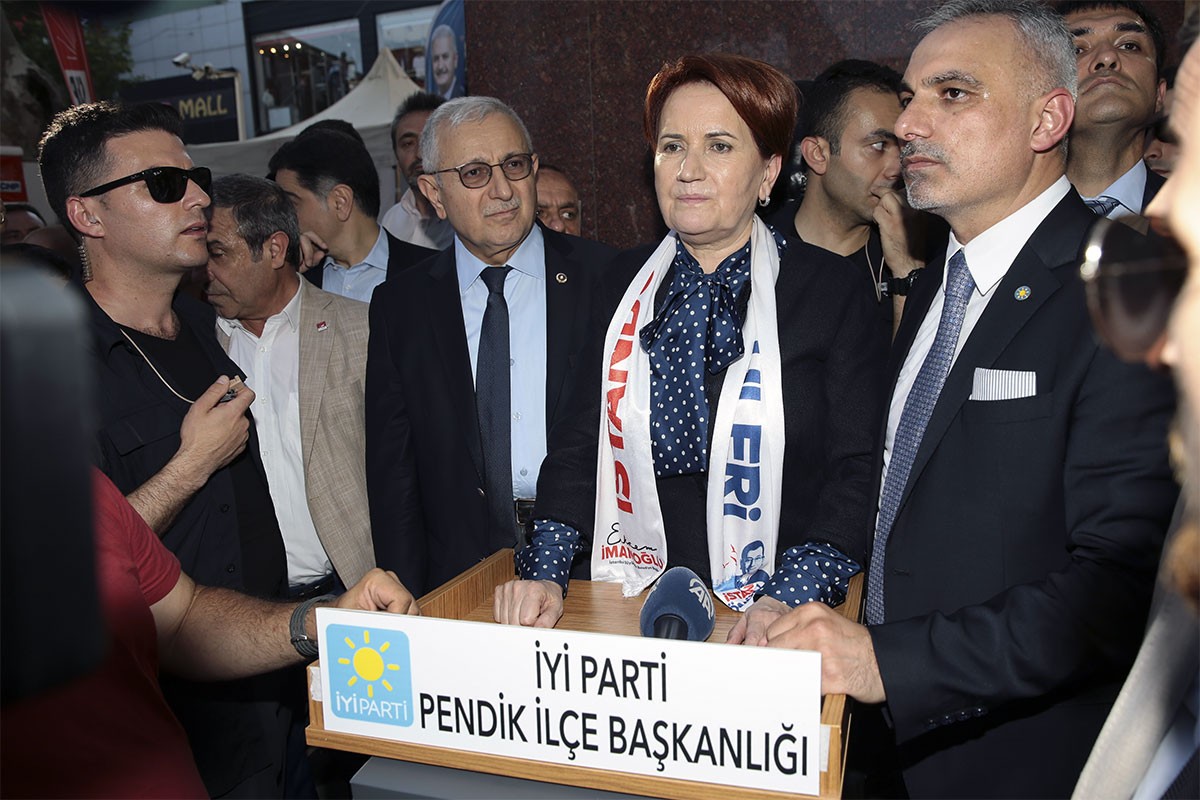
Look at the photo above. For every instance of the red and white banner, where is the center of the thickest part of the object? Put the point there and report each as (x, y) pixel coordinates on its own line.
(66, 34)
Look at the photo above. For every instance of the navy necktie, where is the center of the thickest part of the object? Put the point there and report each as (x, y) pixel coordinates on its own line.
(1103, 205)
(493, 399)
(918, 408)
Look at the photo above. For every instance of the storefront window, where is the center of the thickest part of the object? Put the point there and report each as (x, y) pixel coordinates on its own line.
(301, 71)
(405, 34)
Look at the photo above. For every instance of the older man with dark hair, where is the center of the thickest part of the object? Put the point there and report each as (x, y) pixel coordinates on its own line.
(304, 351)
(1024, 490)
(470, 352)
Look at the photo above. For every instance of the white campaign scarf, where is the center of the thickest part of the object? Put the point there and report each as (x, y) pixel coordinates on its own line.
(743, 499)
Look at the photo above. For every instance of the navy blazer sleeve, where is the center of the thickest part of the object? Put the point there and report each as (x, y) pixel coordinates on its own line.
(393, 487)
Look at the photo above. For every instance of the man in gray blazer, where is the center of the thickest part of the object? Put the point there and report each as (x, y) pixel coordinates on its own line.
(304, 352)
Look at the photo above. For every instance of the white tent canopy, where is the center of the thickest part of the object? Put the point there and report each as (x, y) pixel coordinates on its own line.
(369, 108)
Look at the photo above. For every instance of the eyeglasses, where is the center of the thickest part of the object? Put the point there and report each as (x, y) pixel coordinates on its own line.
(166, 184)
(1131, 280)
(476, 174)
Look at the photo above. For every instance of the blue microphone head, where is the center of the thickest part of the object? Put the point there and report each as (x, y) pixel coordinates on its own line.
(679, 606)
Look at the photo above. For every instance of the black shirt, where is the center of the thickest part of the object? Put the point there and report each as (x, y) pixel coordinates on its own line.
(184, 359)
(139, 420)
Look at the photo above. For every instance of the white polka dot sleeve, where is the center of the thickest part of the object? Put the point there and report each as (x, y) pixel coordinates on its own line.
(809, 572)
(549, 554)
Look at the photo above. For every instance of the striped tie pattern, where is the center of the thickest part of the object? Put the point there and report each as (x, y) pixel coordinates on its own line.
(1103, 205)
(917, 410)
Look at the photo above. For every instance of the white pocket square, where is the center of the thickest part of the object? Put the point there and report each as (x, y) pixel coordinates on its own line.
(1003, 384)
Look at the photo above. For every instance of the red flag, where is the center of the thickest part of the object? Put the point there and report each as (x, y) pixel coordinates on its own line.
(66, 34)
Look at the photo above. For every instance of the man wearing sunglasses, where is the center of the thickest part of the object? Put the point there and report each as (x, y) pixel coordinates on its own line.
(1024, 487)
(469, 353)
(1119, 52)
(172, 433)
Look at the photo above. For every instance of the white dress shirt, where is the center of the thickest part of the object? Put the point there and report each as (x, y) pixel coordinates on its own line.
(404, 221)
(272, 366)
(989, 256)
(1128, 190)
(525, 294)
(358, 282)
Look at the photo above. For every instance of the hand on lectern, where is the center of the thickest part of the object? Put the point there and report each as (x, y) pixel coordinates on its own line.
(848, 664)
(380, 591)
(751, 629)
(538, 604)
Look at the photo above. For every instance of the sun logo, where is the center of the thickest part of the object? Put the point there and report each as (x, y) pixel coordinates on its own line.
(368, 664)
(370, 674)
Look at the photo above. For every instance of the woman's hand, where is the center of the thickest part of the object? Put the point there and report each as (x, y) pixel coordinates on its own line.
(531, 603)
(751, 629)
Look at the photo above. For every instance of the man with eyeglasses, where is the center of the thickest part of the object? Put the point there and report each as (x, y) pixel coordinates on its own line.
(469, 353)
(172, 431)
(1119, 52)
(1024, 489)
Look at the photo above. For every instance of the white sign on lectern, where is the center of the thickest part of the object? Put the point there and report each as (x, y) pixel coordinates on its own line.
(742, 716)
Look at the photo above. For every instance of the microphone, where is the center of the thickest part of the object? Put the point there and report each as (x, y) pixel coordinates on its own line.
(678, 607)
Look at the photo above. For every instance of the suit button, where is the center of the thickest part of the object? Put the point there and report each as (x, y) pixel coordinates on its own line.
(481, 494)
(979, 712)
(231, 568)
(224, 508)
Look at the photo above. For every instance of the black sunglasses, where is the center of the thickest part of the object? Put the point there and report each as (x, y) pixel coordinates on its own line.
(1131, 280)
(166, 184)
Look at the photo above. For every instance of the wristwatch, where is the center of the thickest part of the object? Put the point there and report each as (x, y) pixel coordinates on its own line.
(899, 287)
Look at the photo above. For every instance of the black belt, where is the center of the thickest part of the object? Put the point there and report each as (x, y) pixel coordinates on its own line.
(524, 511)
(322, 586)
(523, 514)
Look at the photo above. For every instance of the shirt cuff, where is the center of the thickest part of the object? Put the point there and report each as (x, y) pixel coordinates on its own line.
(549, 554)
(812, 571)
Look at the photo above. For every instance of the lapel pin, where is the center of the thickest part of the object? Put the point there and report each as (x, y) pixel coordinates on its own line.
(1022, 293)
(561, 277)
(322, 325)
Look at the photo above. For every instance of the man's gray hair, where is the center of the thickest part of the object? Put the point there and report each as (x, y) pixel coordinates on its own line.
(1043, 32)
(260, 208)
(453, 113)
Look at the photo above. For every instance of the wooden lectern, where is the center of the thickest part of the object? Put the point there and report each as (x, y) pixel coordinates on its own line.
(600, 608)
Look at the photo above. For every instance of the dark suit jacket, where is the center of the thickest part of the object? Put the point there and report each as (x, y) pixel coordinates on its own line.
(1154, 182)
(832, 361)
(1020, 566)
(401, 256)
(425, 477)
